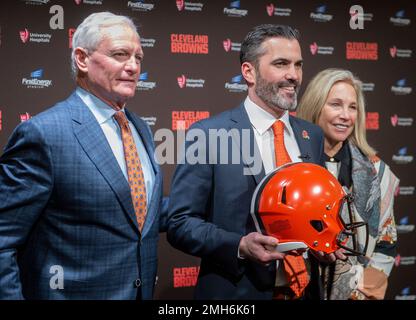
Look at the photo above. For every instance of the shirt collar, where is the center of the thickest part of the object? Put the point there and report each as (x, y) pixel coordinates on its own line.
(101, 110)
(262, 120)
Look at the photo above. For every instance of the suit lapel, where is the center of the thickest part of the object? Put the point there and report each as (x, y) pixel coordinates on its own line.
(93, 141)
(303, 140)
(241, 122)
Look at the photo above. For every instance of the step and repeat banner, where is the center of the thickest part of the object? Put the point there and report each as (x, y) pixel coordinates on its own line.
(191, 71)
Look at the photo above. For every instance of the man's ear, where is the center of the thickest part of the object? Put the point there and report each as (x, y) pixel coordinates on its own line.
(249, 72)
(81, 59)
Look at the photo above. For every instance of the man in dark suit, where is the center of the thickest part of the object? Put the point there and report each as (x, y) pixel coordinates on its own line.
(80, 192)
(209, 211)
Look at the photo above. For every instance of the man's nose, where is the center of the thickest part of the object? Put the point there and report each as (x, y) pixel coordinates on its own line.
(293, 73)
(133, 65)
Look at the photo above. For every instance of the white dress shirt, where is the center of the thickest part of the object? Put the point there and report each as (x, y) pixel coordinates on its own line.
(104, 115)
(262, 123)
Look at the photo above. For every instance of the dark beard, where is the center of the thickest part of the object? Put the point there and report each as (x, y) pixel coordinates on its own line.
(269, 93)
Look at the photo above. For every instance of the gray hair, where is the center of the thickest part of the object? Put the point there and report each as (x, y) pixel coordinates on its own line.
(251, 48)
(88, 34)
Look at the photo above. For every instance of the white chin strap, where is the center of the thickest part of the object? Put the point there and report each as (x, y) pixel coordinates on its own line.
(289, 246)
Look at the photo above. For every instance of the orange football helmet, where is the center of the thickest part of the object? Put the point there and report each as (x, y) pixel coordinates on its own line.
(300, 204)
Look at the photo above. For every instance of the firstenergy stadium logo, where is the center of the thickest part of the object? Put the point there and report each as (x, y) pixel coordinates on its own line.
(140, 5)
(320, 15)
(234, 10)
(143, 84)
(236, 84)
(35, 81)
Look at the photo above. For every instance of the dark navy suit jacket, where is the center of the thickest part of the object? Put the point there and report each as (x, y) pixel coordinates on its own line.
(65, 202)
(209, 208)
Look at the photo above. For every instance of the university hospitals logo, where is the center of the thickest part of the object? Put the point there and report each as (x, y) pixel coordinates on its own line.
(24, 116)
(228, 45)
(401, 121)
(180, 4)
(24, 35)
(400, 53)
(143, 84)
(320, 15)
(236, 84)
(93, 2)
(316, 49)
(280, 12)
(406, 190)
(368, 86)
(399, 19)
(184, 82)
(404, 261)
(181, 81)
(189, 43)
(35, 81)
(147, 42)
(234, 10)
(361, 50)
(27, 36)
(71, 32)
(188, 5)
(400, 88)
(150, 120)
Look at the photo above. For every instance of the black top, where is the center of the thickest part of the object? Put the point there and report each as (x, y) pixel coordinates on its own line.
(343, 156)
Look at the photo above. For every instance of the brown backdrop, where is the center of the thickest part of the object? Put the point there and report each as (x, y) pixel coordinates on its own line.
(35, 74)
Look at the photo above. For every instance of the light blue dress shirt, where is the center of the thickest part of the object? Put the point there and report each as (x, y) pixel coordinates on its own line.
(104, 115)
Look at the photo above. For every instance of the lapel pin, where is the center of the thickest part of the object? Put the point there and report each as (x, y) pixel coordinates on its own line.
(305, 134)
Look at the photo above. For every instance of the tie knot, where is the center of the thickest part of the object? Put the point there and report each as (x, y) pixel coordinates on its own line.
(121, 119)
(278, 127)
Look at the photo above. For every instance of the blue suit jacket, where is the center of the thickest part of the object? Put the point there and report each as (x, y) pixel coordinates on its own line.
(209, 209)
(64, 201)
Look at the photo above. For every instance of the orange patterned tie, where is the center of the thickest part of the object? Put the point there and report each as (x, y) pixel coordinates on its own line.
(294, 264)
(134, 169)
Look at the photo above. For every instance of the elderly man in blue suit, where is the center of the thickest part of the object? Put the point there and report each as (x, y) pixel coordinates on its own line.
(209, 210)
(80, 192)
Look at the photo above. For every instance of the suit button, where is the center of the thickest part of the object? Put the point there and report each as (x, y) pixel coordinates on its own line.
(137, 283)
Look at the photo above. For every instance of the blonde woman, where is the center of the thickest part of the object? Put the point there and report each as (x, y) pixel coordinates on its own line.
(334, 100)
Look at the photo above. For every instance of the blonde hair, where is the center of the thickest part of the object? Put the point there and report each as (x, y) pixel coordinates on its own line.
(316, 93)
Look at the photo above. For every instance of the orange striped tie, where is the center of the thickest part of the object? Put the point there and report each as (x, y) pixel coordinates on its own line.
(134, 169)
(294, 265)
